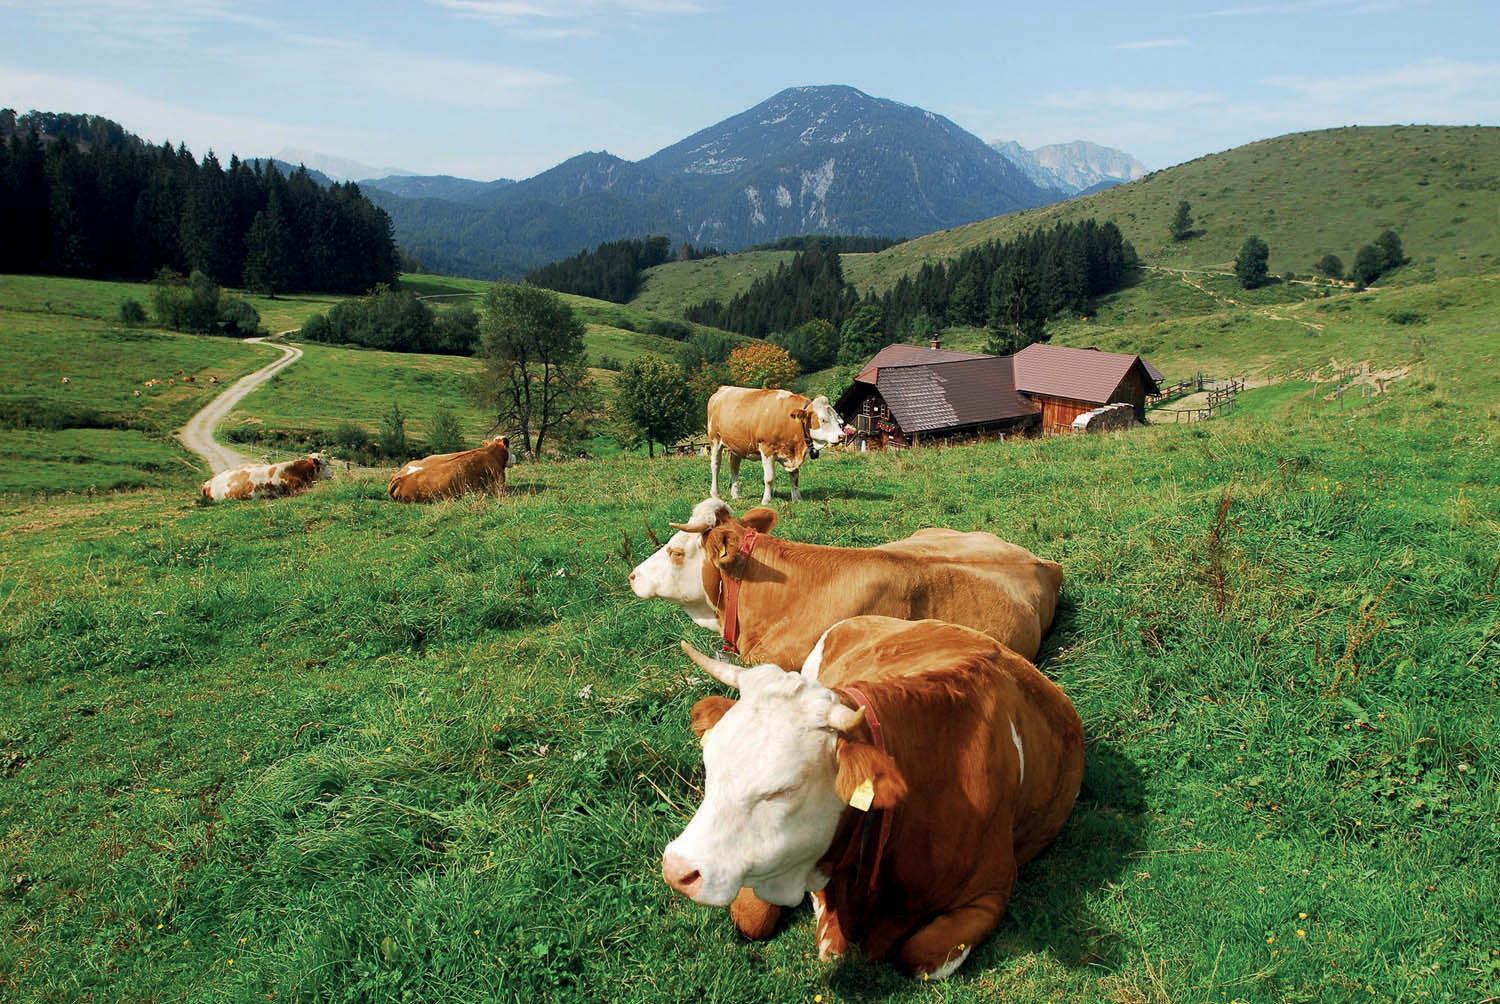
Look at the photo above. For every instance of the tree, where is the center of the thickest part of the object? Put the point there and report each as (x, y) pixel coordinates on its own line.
(703, 380)
(966, 305)
(445, 436)
(1017, 317)
(654, 401)
(393, 441)
(762, 364)
(534, 376)
(1250, 266)
(813, 345)
(1391, 252)
(1331, 265)
(1369, 262)
(1182, 222)
(863, 333)
(266, 268)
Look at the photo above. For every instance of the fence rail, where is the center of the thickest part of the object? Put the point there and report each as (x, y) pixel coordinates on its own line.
(1222, 397)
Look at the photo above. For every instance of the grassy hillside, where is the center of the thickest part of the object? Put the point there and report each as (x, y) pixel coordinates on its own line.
(1305, 195)
(329, 748)
(673, 287)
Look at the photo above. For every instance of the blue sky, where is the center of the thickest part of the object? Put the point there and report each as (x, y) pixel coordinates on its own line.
(507, 88)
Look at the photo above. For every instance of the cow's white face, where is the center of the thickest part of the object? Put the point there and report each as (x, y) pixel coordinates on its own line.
(322, 470)
(675, 572)
(770, 805)
(828, 428)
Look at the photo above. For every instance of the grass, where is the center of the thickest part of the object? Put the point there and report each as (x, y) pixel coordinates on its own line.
(332, 749)
(672, 288)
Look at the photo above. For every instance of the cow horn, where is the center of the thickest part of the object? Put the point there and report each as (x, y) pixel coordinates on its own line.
(721, 671)
(692, 527)
(842, 718)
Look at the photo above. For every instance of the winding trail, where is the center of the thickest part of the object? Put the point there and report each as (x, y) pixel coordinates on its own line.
(198, 434)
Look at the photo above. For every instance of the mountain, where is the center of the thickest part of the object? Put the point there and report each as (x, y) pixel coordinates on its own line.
(287, 169)
(1074, 168)
(828, 159)
(337, 168)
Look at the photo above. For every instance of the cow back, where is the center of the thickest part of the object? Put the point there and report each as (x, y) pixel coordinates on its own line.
(450, 475)
(745, 419)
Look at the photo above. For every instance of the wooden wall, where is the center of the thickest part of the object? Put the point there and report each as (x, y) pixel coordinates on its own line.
(1059, 412)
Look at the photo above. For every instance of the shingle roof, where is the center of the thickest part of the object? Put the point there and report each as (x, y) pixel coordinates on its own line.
(974, 390)
(909, 355)
(1078, 374)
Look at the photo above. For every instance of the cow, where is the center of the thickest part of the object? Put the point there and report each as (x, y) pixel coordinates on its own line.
(449, 475)
(786, 594)
(772, 424)
(901, 778)
(259, 481)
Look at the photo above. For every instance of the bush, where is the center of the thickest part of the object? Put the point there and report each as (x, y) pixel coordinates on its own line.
(609, 363)
(393, 442)
(132, 313)
(316, 329)
(190, 304)
(1407, 317)
(678, 331)
(704, 347)
(351, 437)
(1331, 265)
(238, 319)
(446, 436)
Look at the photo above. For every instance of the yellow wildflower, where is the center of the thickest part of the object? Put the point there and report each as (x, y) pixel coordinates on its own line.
(1301, 933)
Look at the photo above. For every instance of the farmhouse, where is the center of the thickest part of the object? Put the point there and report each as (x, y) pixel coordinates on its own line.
(907, 394)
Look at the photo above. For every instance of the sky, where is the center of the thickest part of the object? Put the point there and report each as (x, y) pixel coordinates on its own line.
(507, 88)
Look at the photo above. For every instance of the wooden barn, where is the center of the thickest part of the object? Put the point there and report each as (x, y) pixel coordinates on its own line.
(1066, 382)
(908, 394)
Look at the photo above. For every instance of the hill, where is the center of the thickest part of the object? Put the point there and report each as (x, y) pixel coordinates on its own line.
(807, 160)
(1304, 194)
(1073, 168)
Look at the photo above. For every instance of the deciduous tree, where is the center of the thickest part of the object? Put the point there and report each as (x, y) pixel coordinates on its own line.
(762, 364)
(1250, 265)
(1182, 222)
(654, 402)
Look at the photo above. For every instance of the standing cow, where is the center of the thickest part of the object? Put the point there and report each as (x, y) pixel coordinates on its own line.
(902, 778)
(258, 481)
(449, 475)
(772, 424)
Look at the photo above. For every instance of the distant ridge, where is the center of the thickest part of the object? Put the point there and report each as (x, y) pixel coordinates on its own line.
(1075, 168)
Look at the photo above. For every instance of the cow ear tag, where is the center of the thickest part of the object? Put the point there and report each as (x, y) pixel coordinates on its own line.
(864, 796)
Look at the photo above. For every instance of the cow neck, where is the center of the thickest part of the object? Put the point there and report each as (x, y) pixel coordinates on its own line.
(729, 583)
(876, 824)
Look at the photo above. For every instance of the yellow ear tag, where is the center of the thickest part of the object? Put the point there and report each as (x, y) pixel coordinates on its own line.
(724, 553)
(864, 796)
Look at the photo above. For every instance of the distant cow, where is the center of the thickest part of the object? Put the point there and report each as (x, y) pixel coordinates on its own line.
(902, 778)
(771, 424)
(787, 594)
(259, 481)
(449, 475)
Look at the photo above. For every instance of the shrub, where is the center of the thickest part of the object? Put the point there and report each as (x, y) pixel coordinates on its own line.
(238, 318)
(393, 442)
(609, 363)
(1407, 317)
(132, 313)
(1331, 265)
(351, 437)
(678, 331)
(446, 436)
(316, 329)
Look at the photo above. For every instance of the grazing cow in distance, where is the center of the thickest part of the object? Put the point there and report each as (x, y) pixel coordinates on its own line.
(901, 779)
(449, 475)
(772, 424)
(259, 481)
(773, 598)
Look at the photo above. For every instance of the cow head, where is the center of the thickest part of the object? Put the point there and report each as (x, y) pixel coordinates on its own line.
(510, 455)
(780, 765)
(679, 572)
(822, 423)
(322, 470)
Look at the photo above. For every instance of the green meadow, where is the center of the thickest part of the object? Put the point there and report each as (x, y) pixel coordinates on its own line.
(329, 748)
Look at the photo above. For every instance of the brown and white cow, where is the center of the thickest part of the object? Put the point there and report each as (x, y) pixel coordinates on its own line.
(790, 593)
(259, 481)
(771, 424)
(902, 778)
(449, 475)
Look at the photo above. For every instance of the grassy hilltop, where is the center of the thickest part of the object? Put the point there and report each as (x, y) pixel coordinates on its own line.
(331, 748)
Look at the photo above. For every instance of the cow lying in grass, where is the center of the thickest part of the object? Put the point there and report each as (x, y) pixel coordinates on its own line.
(449, 475)
(902, 778)
(787, 594)
(772, 425)
(258, 481)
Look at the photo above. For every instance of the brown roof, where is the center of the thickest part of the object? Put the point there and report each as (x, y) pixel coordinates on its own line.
(1077, 374)
(975, 390)
(909, 355)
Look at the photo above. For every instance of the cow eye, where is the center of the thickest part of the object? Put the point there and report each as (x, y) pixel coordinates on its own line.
(675, 553)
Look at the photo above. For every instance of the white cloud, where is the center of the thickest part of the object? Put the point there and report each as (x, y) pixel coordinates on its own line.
(1154, 43)
(1311, 7)
(552, 19)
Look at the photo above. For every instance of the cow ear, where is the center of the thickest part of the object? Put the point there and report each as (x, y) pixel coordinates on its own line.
(707, 712)
(722, 546)
(799, 414)
(761, 518)
(868, 779)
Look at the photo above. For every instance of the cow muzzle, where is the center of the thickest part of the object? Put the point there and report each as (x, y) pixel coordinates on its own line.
(678, 873)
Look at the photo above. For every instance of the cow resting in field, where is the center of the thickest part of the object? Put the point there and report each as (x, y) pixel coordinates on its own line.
(259, 481)
(771, 424)
(902, 779)
(449, 475)
(773, 598)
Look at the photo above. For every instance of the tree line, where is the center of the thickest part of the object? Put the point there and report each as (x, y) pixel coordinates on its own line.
(396, 321)
(612, 271)
(811, 286)
(81, 196)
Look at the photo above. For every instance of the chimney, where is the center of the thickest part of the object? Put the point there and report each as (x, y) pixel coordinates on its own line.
(935, 343)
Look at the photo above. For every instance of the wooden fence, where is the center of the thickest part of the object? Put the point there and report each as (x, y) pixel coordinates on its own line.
(1222, 396)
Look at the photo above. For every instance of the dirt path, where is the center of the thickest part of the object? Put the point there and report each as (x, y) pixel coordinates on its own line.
(1268, 312)
(198, 434)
